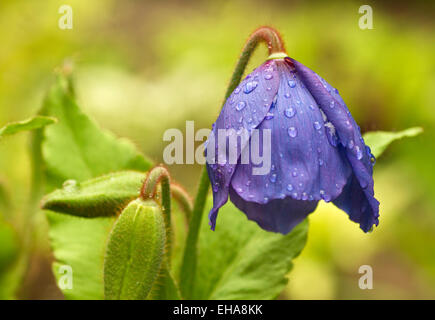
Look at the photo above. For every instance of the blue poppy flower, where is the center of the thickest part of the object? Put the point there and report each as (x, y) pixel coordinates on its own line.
(317, 151)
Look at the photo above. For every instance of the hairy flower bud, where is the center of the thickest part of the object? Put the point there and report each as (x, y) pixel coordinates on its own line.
(135, 251)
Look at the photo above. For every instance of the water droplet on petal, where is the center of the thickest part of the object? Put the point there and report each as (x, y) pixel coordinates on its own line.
(292, 83)
(295, 173)
(289, 187)
(320, 162)
(359, 154)
(332, 104)
(292, 132)
(290, 112)
(239, 190)
(237, 90)
(317, 125)
(241, 105)
(266, 199)
(287, 95)
(250, 86)
(269, 116)
(304, 196)
(268, 76)
(350, 144)
(273, 178)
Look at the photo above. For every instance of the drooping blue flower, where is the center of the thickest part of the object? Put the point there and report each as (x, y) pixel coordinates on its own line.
(317, 151)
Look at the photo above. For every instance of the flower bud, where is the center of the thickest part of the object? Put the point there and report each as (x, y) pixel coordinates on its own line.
(135, 251)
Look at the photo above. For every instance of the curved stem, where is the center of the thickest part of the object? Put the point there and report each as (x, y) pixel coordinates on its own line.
(274, 43)
(160, 175)
(183, 199)
(188, 266)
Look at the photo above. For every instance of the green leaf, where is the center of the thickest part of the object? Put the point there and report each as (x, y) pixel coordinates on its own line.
(36, 122)
(101, 196)
(165, 287)
(135, 251)
(80, 243)
(241, 261)
(378, 141)
(76, 148)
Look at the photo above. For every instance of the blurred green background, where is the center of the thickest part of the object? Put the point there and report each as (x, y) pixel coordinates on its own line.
(142, 67)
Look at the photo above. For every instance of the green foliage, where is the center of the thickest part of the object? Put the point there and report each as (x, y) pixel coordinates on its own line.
(80, 243)
(9, 245)
(378, 141)
(135, 251)
(102, 196)
(75, 148)
(241, 261)
(34, 123)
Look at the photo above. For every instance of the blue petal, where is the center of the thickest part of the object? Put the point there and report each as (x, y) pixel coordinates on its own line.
(246, 108)
(358, 197)
(305, 164)
(277, 215)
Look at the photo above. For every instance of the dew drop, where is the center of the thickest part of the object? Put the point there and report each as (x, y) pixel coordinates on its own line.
(237, 90)
(69, 185)
(289, 187)
(350, 144)
(317, 125)
(287, 95)
(304, 196)
(292, 132)
(268, 76)
(290, 112)
(241, 105)
(359, 154)
(292, 83)
(269, 116)
(273, 178)
(332, 104)
(320, 162)
(250, 86)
